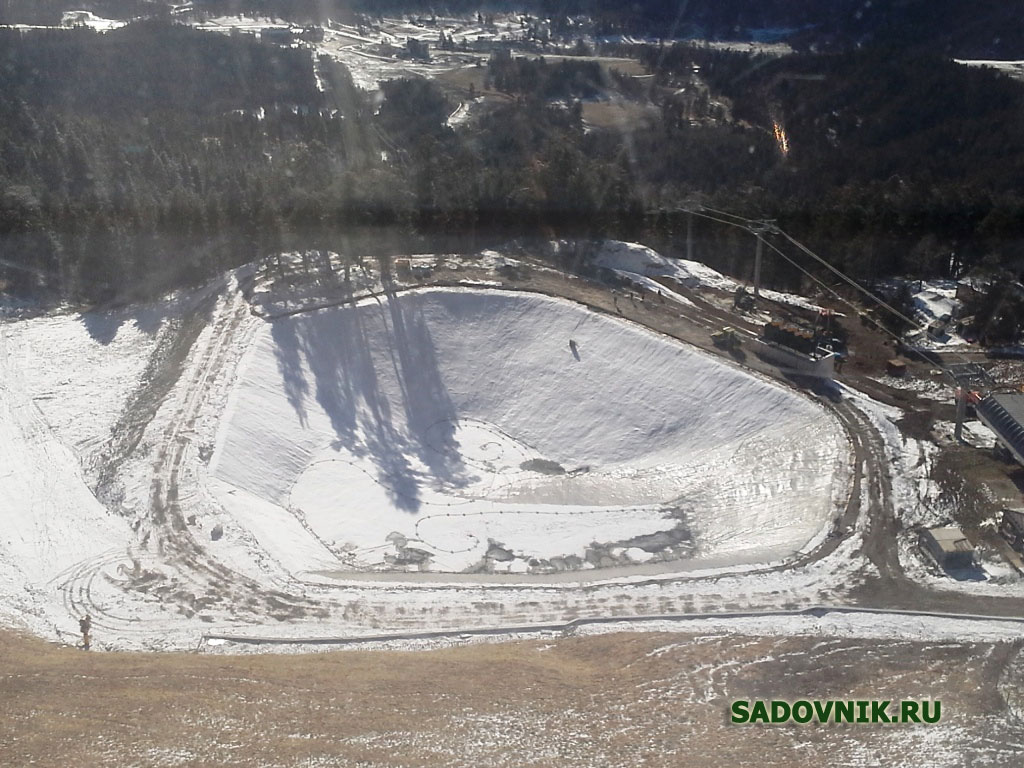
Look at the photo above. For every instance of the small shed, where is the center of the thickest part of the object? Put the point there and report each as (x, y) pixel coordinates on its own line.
(949, 546)
(896, 367)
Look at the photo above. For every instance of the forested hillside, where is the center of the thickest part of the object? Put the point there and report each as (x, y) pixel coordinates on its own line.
(982, 28)
(895, 160)
(156, 153)
(136, 160)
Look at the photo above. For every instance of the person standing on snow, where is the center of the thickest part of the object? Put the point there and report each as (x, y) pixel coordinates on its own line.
(85, 625)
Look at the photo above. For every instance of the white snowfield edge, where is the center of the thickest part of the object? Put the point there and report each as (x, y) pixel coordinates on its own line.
(355, 435)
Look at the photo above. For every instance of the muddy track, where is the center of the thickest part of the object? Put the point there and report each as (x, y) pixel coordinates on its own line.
(201, 580)
(882, 527)
(194, 581)
(78, 587)
(162, 373)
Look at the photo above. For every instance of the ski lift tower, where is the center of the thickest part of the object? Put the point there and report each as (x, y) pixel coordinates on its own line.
(760, 229)
(968, 377)
(691, 206)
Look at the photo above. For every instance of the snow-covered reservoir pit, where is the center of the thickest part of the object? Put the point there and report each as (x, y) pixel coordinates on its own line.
(453, 430)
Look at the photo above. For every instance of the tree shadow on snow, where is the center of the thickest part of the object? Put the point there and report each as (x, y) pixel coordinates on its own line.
(102, 326)
(430, 414)
(338, 350)
(348, 358)
(289, 365)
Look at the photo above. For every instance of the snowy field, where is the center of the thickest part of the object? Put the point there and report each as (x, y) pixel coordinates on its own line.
(443, 458)
(454, 429)
(1012, 68)
(371, 54)
(442, 430)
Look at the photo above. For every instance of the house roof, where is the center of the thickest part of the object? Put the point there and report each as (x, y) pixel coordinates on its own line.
(950, 539)
(1004, 414)
(1016, 515)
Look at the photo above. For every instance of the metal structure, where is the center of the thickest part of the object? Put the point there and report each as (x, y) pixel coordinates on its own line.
(969, 377)
(760, 229)
(1003, 413)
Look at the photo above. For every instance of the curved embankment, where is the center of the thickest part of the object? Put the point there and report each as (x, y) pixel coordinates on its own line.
(476, 429)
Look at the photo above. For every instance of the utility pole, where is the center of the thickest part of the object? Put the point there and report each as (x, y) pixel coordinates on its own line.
(757, 265)
(760, 229)
(966, 376)
(689, 235)
(961, 413)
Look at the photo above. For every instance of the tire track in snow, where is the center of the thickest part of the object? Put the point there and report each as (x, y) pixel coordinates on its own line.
(201, 572)
(188, 577)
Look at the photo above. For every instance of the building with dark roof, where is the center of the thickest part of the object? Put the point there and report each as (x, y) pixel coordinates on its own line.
(1003, 413)
(1012, 528)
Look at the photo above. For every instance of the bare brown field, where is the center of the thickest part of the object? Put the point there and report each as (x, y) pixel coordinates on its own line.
(612, 700)
(621, 115)
(461, 78)
(625, 66)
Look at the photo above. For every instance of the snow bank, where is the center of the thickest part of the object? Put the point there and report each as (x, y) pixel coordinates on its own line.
(79, 370)
(641, 260)
(936, 300)
(88, 19)
(639, 263)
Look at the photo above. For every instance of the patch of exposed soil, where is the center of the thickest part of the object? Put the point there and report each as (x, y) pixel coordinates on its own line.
(647, 699)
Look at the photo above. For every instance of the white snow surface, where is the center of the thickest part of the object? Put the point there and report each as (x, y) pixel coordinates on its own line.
(88, 19)
(1012, 67)
(640, 263)
(357, 433)
(935, 299)
(641, 260)
(51, 520)
(49, 355)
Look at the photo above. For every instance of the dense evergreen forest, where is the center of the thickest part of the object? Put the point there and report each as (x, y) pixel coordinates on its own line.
(156, 154)
(898, 161)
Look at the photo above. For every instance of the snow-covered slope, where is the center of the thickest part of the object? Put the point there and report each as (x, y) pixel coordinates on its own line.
(50, 518)
(461, 422)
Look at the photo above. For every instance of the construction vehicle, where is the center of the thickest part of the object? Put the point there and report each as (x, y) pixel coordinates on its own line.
(796, 348)
(742, 300)
(727, 338)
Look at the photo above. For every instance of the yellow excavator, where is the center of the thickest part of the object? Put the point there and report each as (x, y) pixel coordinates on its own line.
(727, 338)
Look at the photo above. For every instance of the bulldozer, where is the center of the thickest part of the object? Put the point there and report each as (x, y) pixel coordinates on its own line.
(727, 338)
